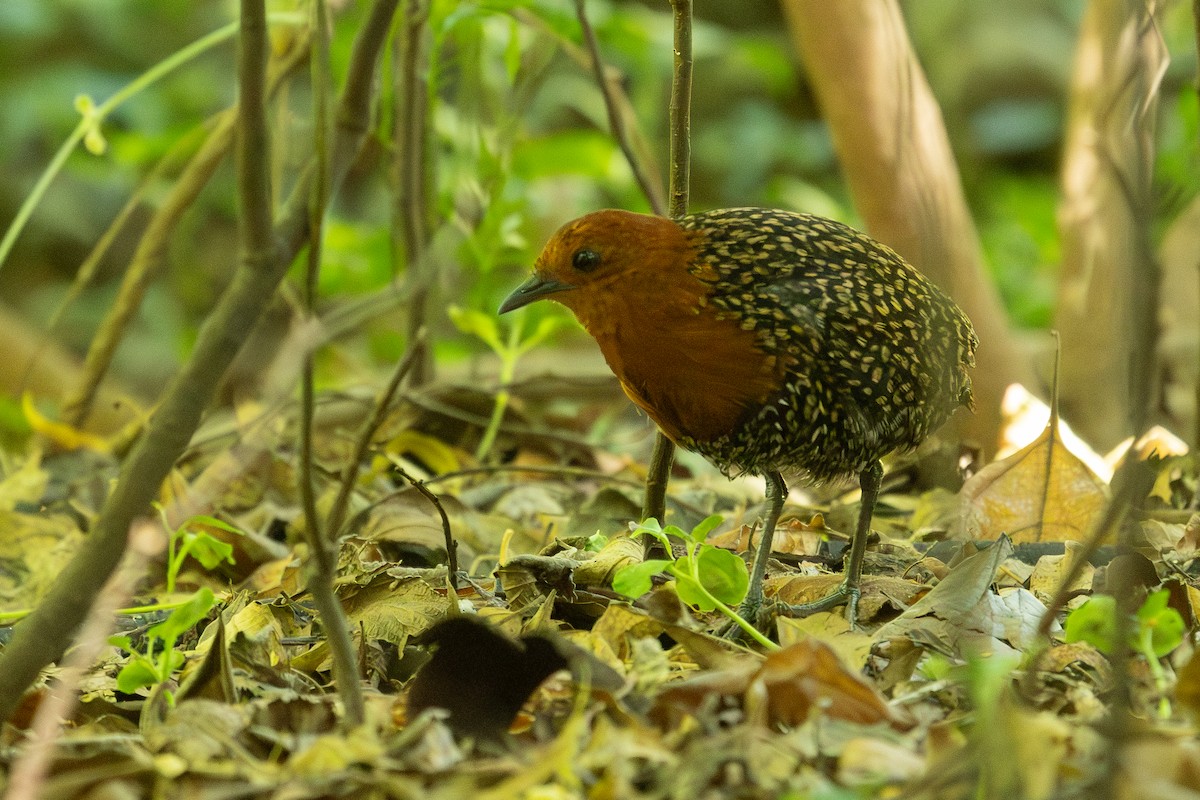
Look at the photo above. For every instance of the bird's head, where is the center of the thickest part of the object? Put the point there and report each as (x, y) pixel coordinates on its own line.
(605, 251)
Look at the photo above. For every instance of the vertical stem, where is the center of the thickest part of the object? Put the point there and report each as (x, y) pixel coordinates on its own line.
(321, 552)
(1196, 422)
(615, 123)
(410, 131)
(508, 370)
(362, 443)
(681, 110)
(323, 547)
(655, 503)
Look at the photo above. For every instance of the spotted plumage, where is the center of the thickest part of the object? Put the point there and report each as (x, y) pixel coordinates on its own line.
(767, 341)
(872, 356)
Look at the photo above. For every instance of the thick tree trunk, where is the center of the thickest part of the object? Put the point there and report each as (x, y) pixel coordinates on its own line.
(894, 151)
(1108, 275)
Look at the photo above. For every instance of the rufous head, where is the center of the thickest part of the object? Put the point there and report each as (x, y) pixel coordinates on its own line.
(599, 251)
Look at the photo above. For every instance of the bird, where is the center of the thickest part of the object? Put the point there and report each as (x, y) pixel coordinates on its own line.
(769, 342)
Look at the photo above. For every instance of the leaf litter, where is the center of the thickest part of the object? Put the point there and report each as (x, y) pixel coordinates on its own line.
(535, 679)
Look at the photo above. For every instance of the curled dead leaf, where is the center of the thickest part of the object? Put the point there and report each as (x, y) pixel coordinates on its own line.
(790, 684)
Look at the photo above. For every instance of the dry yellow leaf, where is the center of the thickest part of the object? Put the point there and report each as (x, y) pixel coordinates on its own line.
(1043, 492)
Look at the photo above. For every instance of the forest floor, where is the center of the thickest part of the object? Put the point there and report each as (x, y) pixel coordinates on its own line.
(533, 678)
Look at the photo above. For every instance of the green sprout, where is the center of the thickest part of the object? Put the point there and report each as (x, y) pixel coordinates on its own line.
(486, 328)
(160, 659)
(707, 578)
(1157, 630)
(186, 541)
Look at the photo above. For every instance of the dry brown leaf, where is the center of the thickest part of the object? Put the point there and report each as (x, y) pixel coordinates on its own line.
(809, 675)
(1075, 656)
(962, 615)
(527, 579)
(788, 685)
(620, 623)
(597, 569)
(791, 536)
(33, 549)
(1043, 492)
(873, 761)
(878, 592)
(1049, 572)
(832, 628)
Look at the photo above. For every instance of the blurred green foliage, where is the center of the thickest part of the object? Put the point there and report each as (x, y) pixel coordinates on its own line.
(519, 143)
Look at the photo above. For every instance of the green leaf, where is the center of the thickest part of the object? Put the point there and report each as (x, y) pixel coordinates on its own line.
(135, 675)
(209, 551)
(1164, 624)
(123, 642)
(634, 580)
(1159, 628)
(651, 528)
(512, 51)
(701, 531)
(676, 531)
(185, 617)
(648, 526)
(545, 328)
(211, 522)
(168, 662)
(722, 575)
(595, 543)
(1093, 622)
(478, 324)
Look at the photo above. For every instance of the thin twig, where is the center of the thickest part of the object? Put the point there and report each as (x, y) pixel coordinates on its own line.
(644, 159)
(90, 266)
(550, 471)
(451, 545)
(151, 254)
(1130, 485)
(323, 549)
(1196, 409)
(615, 122)
(658, 475)
(337, 514)
(681, 110)
(410, 215)
(655, 504)
(253, 142)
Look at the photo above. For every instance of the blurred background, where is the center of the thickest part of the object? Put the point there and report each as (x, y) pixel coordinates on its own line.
(516, 143)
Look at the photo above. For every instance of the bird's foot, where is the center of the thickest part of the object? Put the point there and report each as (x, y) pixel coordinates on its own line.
(846, 594)
(753, 610)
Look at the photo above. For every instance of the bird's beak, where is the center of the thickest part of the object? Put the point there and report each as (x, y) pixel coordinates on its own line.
(533, 289)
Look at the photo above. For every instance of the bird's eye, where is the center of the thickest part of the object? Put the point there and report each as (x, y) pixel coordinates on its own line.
(585, 260)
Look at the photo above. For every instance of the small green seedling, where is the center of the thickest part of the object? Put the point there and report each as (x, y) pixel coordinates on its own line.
(1156, 630)
(185, 541)
(707, 578)
(160, 659)
(486, 328)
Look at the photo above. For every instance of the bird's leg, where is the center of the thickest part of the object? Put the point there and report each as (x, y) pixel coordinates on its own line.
(655, 503)
(777, 492)
(869, 480)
